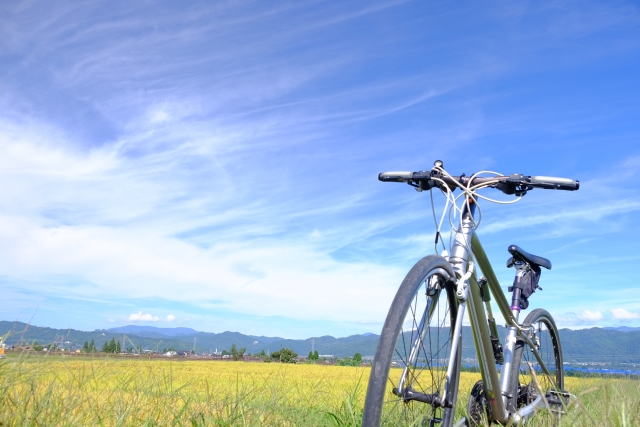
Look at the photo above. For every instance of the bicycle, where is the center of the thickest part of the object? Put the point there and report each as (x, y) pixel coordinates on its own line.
(416, 369)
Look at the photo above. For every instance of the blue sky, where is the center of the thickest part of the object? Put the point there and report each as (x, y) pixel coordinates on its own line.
(214, 164)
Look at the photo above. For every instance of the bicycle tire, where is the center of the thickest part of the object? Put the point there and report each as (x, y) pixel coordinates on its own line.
(382, 406)
(542, 331)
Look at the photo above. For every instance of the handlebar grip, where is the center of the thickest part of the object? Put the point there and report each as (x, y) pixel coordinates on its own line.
(402, 176)
(554, 183)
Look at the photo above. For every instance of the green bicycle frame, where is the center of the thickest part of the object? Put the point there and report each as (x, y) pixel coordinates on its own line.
(481, 335)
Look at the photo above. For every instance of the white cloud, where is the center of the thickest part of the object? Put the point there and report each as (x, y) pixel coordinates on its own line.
(591, 315)
(111, 320)
(622, 314)
(139, 317)
(192, 193)
(94, 235)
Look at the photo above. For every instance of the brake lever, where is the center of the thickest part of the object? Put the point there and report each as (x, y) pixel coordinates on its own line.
(514, 184)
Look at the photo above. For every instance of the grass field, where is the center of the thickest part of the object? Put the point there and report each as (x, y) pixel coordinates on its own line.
(54, 391)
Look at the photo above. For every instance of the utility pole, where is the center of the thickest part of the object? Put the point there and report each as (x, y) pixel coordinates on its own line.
(313, 341)
(194, 345)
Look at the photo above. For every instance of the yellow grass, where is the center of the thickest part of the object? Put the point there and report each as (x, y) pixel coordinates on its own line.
(112, 392)
(123, 392)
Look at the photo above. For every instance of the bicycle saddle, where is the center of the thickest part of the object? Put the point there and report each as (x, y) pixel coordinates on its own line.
(519, 253)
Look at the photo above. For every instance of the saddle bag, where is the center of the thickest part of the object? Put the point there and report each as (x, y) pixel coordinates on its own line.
(528, 283)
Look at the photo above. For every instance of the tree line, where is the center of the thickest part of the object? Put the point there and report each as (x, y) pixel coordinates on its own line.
(284, 355)
(108, 347)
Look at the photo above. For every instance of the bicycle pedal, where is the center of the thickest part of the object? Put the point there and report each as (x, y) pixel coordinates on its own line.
(559, 399)
(561, 394)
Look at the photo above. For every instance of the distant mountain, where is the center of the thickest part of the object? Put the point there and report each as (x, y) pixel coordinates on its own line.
(615, 346)
(183, 339)
(622, 329)
(152, 331)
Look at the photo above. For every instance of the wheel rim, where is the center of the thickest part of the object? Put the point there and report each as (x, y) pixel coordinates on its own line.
(421, 356)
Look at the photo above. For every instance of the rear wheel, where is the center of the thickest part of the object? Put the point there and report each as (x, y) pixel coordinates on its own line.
(408, 375)
(525, 386)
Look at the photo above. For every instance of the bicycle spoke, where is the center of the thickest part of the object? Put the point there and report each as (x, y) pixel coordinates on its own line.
(419, 348)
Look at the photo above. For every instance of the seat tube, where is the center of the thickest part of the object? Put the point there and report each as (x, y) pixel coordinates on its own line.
(509, 346)
(510, 343)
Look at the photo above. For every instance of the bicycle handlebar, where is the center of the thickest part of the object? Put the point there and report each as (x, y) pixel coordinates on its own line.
(512, 184)
(554, 183)
(401, 176)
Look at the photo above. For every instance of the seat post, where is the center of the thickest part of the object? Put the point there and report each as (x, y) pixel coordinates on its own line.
(517, 290)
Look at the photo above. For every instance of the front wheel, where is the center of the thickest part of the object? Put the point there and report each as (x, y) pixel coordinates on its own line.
(408, 375)
(528, 379)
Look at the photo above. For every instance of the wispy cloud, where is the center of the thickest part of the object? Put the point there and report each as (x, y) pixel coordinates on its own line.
(224, 156)
(595, 213)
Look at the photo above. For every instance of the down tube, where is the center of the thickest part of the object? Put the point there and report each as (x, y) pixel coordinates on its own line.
(492, 280)
(486, 358)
